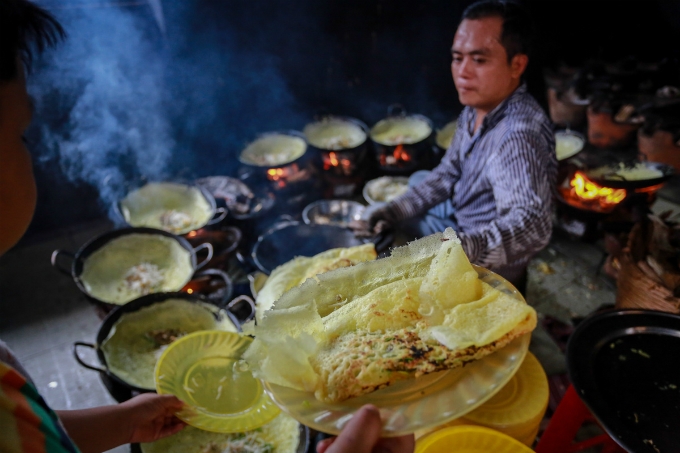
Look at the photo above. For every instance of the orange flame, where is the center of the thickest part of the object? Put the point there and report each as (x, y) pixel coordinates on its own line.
(587, 190)
(334, 160)
(401, 154)
(275, 174)
(278, 175)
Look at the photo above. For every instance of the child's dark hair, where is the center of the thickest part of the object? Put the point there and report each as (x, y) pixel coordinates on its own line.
(24, 28)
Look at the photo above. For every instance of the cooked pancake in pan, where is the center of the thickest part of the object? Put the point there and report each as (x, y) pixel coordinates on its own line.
(138, 339)
(176, 208)
(133, 265)
(282, 435)
(335, 134)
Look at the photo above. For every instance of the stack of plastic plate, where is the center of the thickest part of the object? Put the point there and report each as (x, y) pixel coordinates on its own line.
(518, 408)
(469, 439)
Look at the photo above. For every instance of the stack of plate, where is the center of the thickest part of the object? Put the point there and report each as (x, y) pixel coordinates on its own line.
(518, 408)
(469, 439)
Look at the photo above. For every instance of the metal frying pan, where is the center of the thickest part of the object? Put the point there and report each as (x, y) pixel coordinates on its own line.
(287, 240)
(619, 182)
(623, 363)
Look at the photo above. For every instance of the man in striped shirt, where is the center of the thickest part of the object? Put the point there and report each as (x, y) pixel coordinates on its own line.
(494, 184)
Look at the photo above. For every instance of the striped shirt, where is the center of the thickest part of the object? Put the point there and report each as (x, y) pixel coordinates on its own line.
(27, 424)
(500, 181)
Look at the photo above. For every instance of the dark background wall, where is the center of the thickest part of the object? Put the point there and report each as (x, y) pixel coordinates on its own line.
(121, 100)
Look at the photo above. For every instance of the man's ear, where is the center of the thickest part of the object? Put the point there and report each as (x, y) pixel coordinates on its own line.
(518, 64)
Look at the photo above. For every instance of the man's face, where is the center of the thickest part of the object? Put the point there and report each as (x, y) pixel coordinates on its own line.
(17, 184)
(480, 68)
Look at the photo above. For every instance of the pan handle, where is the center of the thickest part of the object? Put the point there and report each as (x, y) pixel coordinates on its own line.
(81, 361)
(228, 284)
(209, 248)
(220, 214)
(237, 238)
(396, 110)
(54, 260)
(246, 261)
(120, 211)
(322, 114)
(252, 277)
(280, 222)
(247, 300)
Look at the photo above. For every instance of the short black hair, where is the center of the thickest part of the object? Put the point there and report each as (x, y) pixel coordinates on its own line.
(24, 27)
(518, 27)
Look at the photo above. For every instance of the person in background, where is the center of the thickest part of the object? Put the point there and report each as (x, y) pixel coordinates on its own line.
(27, 423)
(494, 185)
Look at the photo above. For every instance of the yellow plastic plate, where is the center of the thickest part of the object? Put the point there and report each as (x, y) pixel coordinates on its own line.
(520, 405)
(203, 370)
(426, 402)
(469, 439)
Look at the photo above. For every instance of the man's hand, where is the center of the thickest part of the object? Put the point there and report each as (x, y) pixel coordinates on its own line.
(362, 435)
(382, 219)
(152, 417)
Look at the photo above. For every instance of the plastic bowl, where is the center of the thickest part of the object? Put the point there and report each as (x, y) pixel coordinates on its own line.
(332, 212)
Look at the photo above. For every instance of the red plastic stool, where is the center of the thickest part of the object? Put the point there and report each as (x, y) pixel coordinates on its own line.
(570, 414)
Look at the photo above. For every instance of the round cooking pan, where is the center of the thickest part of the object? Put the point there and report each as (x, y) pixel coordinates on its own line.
(303, 445)
(623, 363)
(250, 169)
(222, 311)
(163, 195)
(285, 241)
(313, 130)
(617, 182)
(80, 257)
(332, 125)
(242, 202)
(420, 150)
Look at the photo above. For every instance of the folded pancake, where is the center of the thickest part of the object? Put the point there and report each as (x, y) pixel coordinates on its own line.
(366, 359)
(298, 270)
(352, 331)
